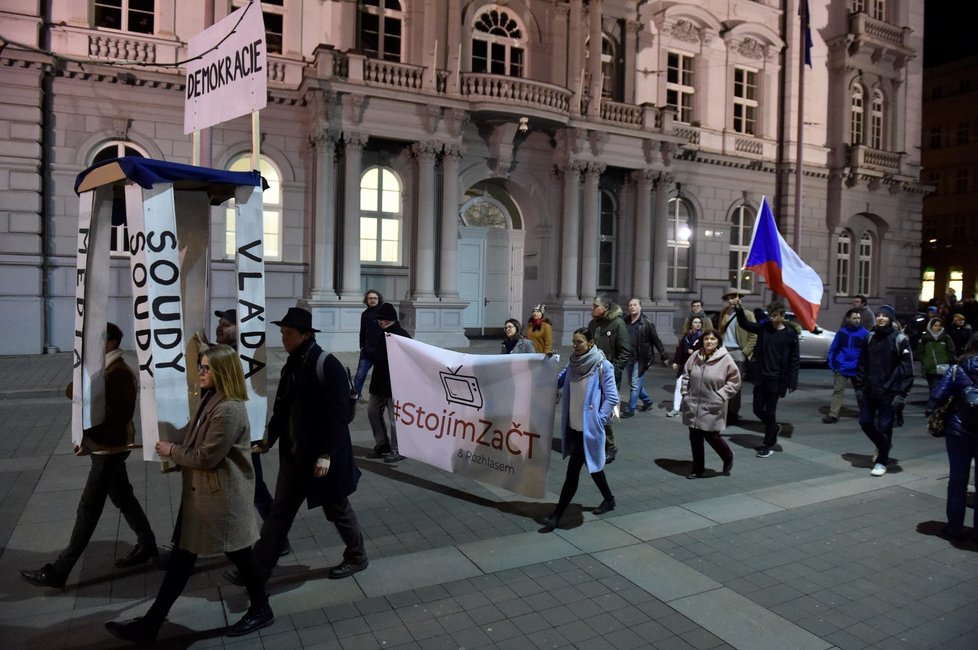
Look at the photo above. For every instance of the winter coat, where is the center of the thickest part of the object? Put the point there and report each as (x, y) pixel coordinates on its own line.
(380, 380)
(523, 346)
(217, 512)
(644, 340)
(686, 325)
(316, 411)
(866, 319)
(745, 340)
(611, 336)
(934, 349)
(543, 338)
(885, 367)
(707, 386)
(776, 354)
(371, 335)
(690, 341)
(960, 336)
(844, 352)
(600, 398)
(952, 385)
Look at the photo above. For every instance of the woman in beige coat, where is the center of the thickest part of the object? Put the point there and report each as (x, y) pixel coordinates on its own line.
(710, 378)
(216, 514)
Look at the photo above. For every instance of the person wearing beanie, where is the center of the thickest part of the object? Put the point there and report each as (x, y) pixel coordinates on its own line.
(515, 343)
(884, 375)
(539, 330)
(381, 395)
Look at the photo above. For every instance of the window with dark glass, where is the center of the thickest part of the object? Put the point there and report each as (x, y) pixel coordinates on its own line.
(381, 24)
(741, 229)
(273, 15)
(745, 101)
(119, 236)
(497, 43)
(607, 241)
(125, 15)
(679, 86)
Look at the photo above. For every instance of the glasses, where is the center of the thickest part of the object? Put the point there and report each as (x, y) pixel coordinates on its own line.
(203, 368)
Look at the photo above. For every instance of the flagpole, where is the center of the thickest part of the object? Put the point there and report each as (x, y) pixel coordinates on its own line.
(802, 42)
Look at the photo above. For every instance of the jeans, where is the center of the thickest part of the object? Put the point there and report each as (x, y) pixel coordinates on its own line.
(363, 367)
(766, 395)
(572, 479)
(961, 451)
(637, 383)
(876, 419)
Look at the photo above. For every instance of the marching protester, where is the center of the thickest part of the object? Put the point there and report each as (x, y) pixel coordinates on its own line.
(688, 345)
(540, 331)
(960, 332)
(216, 513)
(934, 349)
(610, 334)
(645, 342)
(589, 394)
(710, 378)
(381, 394)
(843, 358)
(371, 338)
(737, 341)
(109, 445)
(696, 311)
(515, 342)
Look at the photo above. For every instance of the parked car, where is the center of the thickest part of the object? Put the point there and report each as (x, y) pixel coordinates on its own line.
(813, 347)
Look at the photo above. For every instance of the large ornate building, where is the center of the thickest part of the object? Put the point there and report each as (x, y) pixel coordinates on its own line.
(471, 158)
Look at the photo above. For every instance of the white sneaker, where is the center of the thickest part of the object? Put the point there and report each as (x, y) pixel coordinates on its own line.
(879, 469)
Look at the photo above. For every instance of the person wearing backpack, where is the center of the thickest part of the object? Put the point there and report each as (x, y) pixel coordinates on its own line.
(960, 384)
(884, 373)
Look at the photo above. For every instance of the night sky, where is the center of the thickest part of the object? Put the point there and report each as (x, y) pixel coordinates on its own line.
(948, 33)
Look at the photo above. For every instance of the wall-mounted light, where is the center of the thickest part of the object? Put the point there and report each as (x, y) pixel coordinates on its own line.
(524, 124)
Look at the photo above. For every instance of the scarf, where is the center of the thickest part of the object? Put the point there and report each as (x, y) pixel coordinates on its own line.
(536, 324)
(511, 343)
(580, 366)
(112, 357)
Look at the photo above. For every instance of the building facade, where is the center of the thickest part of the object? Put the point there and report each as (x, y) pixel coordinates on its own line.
(470, 159)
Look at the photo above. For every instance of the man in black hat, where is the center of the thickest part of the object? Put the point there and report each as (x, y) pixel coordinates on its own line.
(381, 395)
(738, 341)
(309, 421)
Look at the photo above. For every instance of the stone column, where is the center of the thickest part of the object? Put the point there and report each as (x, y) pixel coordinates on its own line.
(632, 28)
(354, 144)
(642, 267)
(594, 57)
(660, 239)
(589, 230)
(323, 142)
(571, 232)
(448, 280)
(575, 53)
(424, 258)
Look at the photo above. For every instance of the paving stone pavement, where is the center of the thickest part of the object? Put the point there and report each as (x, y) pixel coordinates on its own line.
(800, 550)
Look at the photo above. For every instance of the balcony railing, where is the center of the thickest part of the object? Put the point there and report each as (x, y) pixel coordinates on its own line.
(517, 91)
(400, 76)
(861, 156)
(861, 24)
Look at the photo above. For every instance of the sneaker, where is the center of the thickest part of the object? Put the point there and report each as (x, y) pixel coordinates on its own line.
(393, 457)
(672, 413)
(646, 406)
(627, 414)
(830, 419)
(764, 452)
(879, 469)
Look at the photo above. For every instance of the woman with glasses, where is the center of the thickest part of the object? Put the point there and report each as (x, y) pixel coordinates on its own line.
(216, 514)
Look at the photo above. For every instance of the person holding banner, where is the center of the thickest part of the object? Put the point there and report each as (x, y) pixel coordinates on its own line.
(589, 394)
(371, 338)
(540, 331)
(109, 445)
(381, 394)
(216, 513)
(515, 342)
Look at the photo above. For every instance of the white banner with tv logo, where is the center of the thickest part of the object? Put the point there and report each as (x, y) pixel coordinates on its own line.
(486, 417)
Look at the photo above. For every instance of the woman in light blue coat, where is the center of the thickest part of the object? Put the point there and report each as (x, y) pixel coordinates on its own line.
(589, 397)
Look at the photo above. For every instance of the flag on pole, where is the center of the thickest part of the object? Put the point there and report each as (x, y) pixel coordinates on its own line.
(771, 258)
(806, 23)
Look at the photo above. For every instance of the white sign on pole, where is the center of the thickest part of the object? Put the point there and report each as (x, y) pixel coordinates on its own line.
(230, 77)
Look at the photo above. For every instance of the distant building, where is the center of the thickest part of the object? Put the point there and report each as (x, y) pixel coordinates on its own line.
(470, 159)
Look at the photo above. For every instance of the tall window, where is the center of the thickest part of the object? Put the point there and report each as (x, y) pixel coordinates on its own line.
(865, 264)
(875, 8)
(679, 233)
(609, 66)
(126, 15)
(273, 14)
(856, 116)
(119, 236)
(876, 121)
(935, 137)
(271, 208)
(843, 251)
(964, 132)
(381, 24)
(927, 285)
(741, 229)
(961, 180)
(745, 101)
(380, 217)
(679, 86)
(497, 43)
(607, 241)
(956, 281)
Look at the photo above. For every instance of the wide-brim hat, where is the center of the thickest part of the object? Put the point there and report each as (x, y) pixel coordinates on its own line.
(297, 318)
(230, 315)
(733, 291)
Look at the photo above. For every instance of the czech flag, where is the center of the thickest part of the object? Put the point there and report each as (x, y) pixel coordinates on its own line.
(771, 258)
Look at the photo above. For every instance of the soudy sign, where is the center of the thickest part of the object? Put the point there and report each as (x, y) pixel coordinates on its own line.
(167, 212)
(487, 417)
(227, 75)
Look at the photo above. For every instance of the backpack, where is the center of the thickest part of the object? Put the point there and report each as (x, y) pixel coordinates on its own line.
(351, 407)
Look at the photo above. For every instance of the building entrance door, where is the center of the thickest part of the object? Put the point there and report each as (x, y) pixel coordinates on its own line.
(490, 277)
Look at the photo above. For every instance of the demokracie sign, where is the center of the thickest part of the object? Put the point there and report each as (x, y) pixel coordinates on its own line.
(230, 79)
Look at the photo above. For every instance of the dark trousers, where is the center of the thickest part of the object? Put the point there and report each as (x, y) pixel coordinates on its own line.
(719, 445)
(263, 498)
(574, 465)
(290, 492)
(876, 419)
(961, 451)
(181, 566)
(106, 479)
(766, 395)
(733, 406)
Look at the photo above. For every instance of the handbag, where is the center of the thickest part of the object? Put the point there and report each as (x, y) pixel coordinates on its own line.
(935, 423)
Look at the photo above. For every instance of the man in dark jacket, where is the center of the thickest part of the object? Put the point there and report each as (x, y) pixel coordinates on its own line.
(843, 359)
(884, 373)
(774, 364)
(381, 395)
(611, 336)
(371, 337)
(644, 341)
(309, 421)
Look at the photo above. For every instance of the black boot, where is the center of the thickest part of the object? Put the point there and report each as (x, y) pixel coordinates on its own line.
(254, 619)
(139, 630)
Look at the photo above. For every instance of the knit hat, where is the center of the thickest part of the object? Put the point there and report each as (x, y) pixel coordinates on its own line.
(386, 312)
(540, 308)
(888, 311)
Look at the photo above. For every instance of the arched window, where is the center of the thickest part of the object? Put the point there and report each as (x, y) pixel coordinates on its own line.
(272, 207)
(381, 29)
(380, 217)
(680, 233)
(864, 266)
(126, 15)
(119, 238)
(607, 241)
(856, 116)
(485, 212)
(876, 121)
(843, 252)
(741, 229)
(497, 43)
